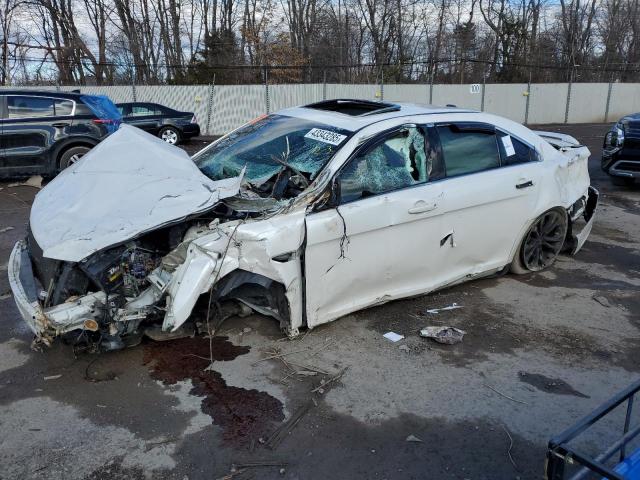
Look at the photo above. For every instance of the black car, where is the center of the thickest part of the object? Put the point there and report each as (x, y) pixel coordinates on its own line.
(44, 132)
(621, 150)
(168, 124)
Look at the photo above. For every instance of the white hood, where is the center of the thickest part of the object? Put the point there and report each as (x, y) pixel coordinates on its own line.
(130, 183)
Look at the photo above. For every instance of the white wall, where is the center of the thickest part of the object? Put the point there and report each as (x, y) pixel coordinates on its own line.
(232, 105)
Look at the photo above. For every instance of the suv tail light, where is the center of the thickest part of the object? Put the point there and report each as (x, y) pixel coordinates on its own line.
(105, 121)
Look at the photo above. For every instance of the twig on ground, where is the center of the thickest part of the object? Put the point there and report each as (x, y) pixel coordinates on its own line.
(505, 396)
(274, 440)
(510, 447)
(266, 463)
(331, 380)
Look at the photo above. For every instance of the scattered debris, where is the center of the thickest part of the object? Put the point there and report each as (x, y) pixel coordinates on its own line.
(152, 445)
(453, 306)
(413, 438)
(505, 396)
(4, 296)
(6, 229)
(34, 181)
(446, 335)
(602, 301)
(246, 329)
(320, 388)
(394, 337)
(53, 377)
(510, 447)
(284, 429)
(404, 348)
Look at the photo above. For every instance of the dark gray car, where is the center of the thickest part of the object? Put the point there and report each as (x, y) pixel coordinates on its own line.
(170, 125)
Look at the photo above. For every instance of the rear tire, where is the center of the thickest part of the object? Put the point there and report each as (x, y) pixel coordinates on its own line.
(171, 135)
(542, 243)
(71, 156)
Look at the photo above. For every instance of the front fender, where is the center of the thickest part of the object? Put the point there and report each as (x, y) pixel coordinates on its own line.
(190, 280)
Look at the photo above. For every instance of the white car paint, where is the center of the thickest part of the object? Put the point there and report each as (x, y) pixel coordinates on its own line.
(128, 184)
(338, 260)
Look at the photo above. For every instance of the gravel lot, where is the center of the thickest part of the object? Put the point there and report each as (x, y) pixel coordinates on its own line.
(540, 351)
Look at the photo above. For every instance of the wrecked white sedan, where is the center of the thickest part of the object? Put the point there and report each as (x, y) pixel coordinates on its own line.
(305, 216)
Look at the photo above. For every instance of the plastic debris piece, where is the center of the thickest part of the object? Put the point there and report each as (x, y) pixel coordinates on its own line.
(53, 377)
(6, 229)
(453, 306)
(393, 336)
(413, 438)
(446, 335)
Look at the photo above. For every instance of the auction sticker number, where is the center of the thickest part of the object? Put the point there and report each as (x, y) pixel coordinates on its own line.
(325, 136)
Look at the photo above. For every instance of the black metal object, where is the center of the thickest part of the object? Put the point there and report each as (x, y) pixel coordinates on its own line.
(560, 453)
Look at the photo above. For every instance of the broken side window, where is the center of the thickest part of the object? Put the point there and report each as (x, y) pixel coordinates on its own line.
(399, 161)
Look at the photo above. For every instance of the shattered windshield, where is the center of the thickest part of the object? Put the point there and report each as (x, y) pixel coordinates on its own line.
(282, 155)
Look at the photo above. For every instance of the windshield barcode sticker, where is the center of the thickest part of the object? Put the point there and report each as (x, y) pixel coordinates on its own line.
(325, 136)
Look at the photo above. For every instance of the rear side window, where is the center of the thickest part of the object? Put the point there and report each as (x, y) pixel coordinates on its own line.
(30, 107)
(143, 110)
(513, 151)
(63, 107)
(467, 150)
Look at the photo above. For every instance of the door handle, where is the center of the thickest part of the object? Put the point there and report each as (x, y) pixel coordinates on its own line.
(526, 184)
(60, 125)
(422, 207)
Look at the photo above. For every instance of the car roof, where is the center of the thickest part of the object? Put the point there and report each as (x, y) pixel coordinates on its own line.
(43, 93)
(320, 112)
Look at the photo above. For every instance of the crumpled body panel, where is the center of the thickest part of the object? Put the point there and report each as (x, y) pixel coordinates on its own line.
(128, 184)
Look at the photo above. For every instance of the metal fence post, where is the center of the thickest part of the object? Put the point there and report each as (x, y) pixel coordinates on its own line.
(382, 83)
(133, 88)
(606, 109)
(210, 105)
(566, 110)
(484, 86)
(526, 108)
(266, 89)
(431, 86)
(324, 85)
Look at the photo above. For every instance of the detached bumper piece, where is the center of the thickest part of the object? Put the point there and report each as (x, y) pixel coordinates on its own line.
(46, 323)
(582, 214)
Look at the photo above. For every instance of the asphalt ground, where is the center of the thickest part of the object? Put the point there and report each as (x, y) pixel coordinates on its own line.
(540, 351)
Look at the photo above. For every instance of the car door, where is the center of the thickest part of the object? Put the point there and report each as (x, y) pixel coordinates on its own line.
(491, 189)
(30, 129)
(380, 239)
(143, 116)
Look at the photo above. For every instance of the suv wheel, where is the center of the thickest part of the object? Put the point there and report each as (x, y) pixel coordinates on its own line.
(171, 135)
(71, 156)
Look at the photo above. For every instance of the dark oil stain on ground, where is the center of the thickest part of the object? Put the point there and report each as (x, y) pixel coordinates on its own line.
(549, 384)
(243, 415)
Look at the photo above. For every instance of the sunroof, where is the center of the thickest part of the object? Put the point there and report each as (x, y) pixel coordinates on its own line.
(355, 108)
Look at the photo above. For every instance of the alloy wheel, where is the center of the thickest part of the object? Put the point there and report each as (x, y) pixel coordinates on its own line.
(544, 241)
(170, 136)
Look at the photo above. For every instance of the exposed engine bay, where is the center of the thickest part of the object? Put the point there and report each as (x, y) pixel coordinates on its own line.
(127, 283)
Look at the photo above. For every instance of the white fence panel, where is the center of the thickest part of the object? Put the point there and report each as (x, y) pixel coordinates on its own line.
(458, 95)
(588, 102)
(506, 100)
(547, 103)
(234, 105)
(360, 91)
(285, 96)
(406, 93)
(625, 99)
